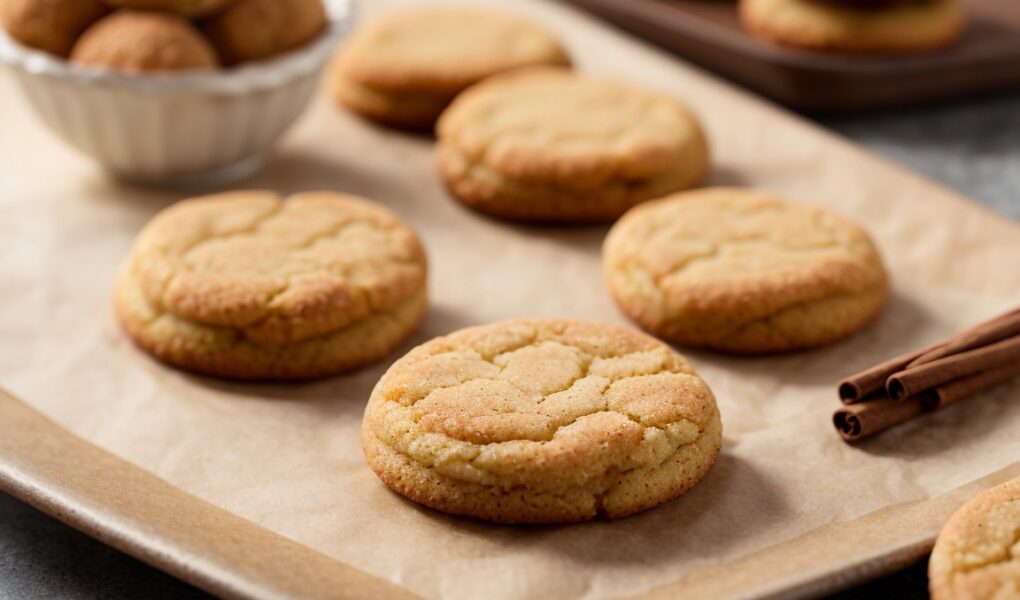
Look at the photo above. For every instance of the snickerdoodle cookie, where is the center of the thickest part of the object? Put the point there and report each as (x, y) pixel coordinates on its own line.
(50, 25)
(248, 285)
(977, 555)
(742, 271)
(404, 68)
(857, 26)
(546, 144)
(189, 8)
(248, 30)
(137, 40)
(541, 421)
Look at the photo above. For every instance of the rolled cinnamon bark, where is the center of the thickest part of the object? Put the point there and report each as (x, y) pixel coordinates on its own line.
(989, 332)
(866, 383)
(930, 378)
(918, 379)
(856, 422)
(949, 393)
(859, 387)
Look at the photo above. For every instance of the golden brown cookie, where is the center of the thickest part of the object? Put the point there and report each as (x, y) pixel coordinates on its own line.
(859, 26)
(257, 29)
(191, 9)
(743, 271)
(977, 555)
(549, 145)
(404, 68)
(134, 40)
(247, 285)
(541, 421)
(50, 25)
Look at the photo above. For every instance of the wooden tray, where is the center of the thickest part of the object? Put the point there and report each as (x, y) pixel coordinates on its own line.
(708, 32)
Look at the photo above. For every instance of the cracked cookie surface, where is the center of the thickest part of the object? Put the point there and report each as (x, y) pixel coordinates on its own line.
(739, 270)
(546, 144)
(977, 555)
(249, 285)
(404, 68)
(541, 421)
(839, 25)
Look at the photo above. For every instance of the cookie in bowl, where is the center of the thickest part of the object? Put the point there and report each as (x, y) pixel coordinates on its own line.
(402, 69)
(541, 421)
(136, 40)
(149, 97)
(248, 285)
(250, 30)
(49, 25)
(549, 145)
(743, 271)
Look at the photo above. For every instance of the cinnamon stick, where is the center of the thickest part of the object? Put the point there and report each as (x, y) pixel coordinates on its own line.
(929, 379)
(864, 384)
(954, 391)
(918, 379)
(861, 420)
(989, 332)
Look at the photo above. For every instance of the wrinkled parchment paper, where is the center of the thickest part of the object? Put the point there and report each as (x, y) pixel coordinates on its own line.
(288, 456)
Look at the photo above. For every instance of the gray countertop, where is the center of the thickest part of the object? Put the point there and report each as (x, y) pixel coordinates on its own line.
(973, 147)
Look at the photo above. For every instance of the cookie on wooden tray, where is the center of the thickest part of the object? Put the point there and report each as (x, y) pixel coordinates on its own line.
(404, 68)
(550, 145)
(247, 285)
(191, 9)
(249, 30)
(49, 25)
(137, 40)
(977, 555)
(541, 421)
(743, 271)
(856, 26)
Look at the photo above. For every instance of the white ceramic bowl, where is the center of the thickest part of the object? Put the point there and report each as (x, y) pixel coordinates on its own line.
(189, 128)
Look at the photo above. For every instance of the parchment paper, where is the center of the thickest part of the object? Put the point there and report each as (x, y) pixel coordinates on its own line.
(289, 457)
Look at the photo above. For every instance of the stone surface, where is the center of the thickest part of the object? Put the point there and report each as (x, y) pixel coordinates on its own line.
(972, 147)
(41, 558)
